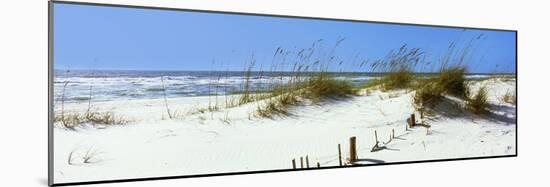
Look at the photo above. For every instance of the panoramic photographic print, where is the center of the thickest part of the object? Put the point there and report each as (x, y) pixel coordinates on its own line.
(148, 93)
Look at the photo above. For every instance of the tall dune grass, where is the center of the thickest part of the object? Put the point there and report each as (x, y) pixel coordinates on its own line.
(309, 74)
(450, 79)
(294, 76)
(477, 103)
(398, 66)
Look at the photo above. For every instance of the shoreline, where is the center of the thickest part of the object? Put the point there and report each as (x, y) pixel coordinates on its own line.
(191, 86)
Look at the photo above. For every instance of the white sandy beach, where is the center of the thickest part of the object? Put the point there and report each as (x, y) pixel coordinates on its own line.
(233, 140)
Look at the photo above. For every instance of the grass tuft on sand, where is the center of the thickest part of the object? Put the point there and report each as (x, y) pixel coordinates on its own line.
(72, 120)
(428, 95)
(452, 81)
(323, 85)
(477, 103)
(316, 88)
(509, 97)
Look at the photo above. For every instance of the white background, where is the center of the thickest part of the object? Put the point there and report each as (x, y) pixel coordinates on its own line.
(23, 92)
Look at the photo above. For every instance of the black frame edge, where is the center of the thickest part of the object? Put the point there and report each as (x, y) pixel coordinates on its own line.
(272, 171)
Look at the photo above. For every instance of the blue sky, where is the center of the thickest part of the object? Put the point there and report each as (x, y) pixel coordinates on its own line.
(93, 37)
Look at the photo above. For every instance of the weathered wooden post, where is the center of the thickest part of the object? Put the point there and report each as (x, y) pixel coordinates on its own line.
(339, 155)
(307, 161)
(302, 162)
(318, 165)
(392, 133)
(413, 120)
(376, 137)
(293, 163)
(352, 149)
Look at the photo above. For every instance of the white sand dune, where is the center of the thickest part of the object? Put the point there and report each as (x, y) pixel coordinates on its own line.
(231, 140)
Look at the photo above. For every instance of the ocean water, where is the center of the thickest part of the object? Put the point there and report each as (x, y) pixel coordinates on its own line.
(106, 85)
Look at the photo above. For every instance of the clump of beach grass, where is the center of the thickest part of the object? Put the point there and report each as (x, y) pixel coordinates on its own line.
(308, 80)
(70, 120)
(448, 81)
(427, 95)
(323, 85)
(73, 119)
(509, 97)
(316, 88)
(277, 106)
(452, 81)
(398, 67)
(451, 77)
(400, 79)
(477, 103)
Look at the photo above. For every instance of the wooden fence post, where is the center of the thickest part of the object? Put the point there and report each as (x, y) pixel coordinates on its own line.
(302, 162)
(376, 137)
(339, 155)
(413, 120)
(352, 150)
(392, 133)
(293, 163)
(318, 165)
(307, 161)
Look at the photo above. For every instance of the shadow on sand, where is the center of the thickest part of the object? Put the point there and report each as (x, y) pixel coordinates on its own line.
(453, 108)
(362, 161)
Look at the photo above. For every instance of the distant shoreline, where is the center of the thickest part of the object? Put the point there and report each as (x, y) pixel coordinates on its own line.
(266, 72)
(115, 85)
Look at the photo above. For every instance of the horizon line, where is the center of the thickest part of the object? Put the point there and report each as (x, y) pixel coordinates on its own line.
(181, 70)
